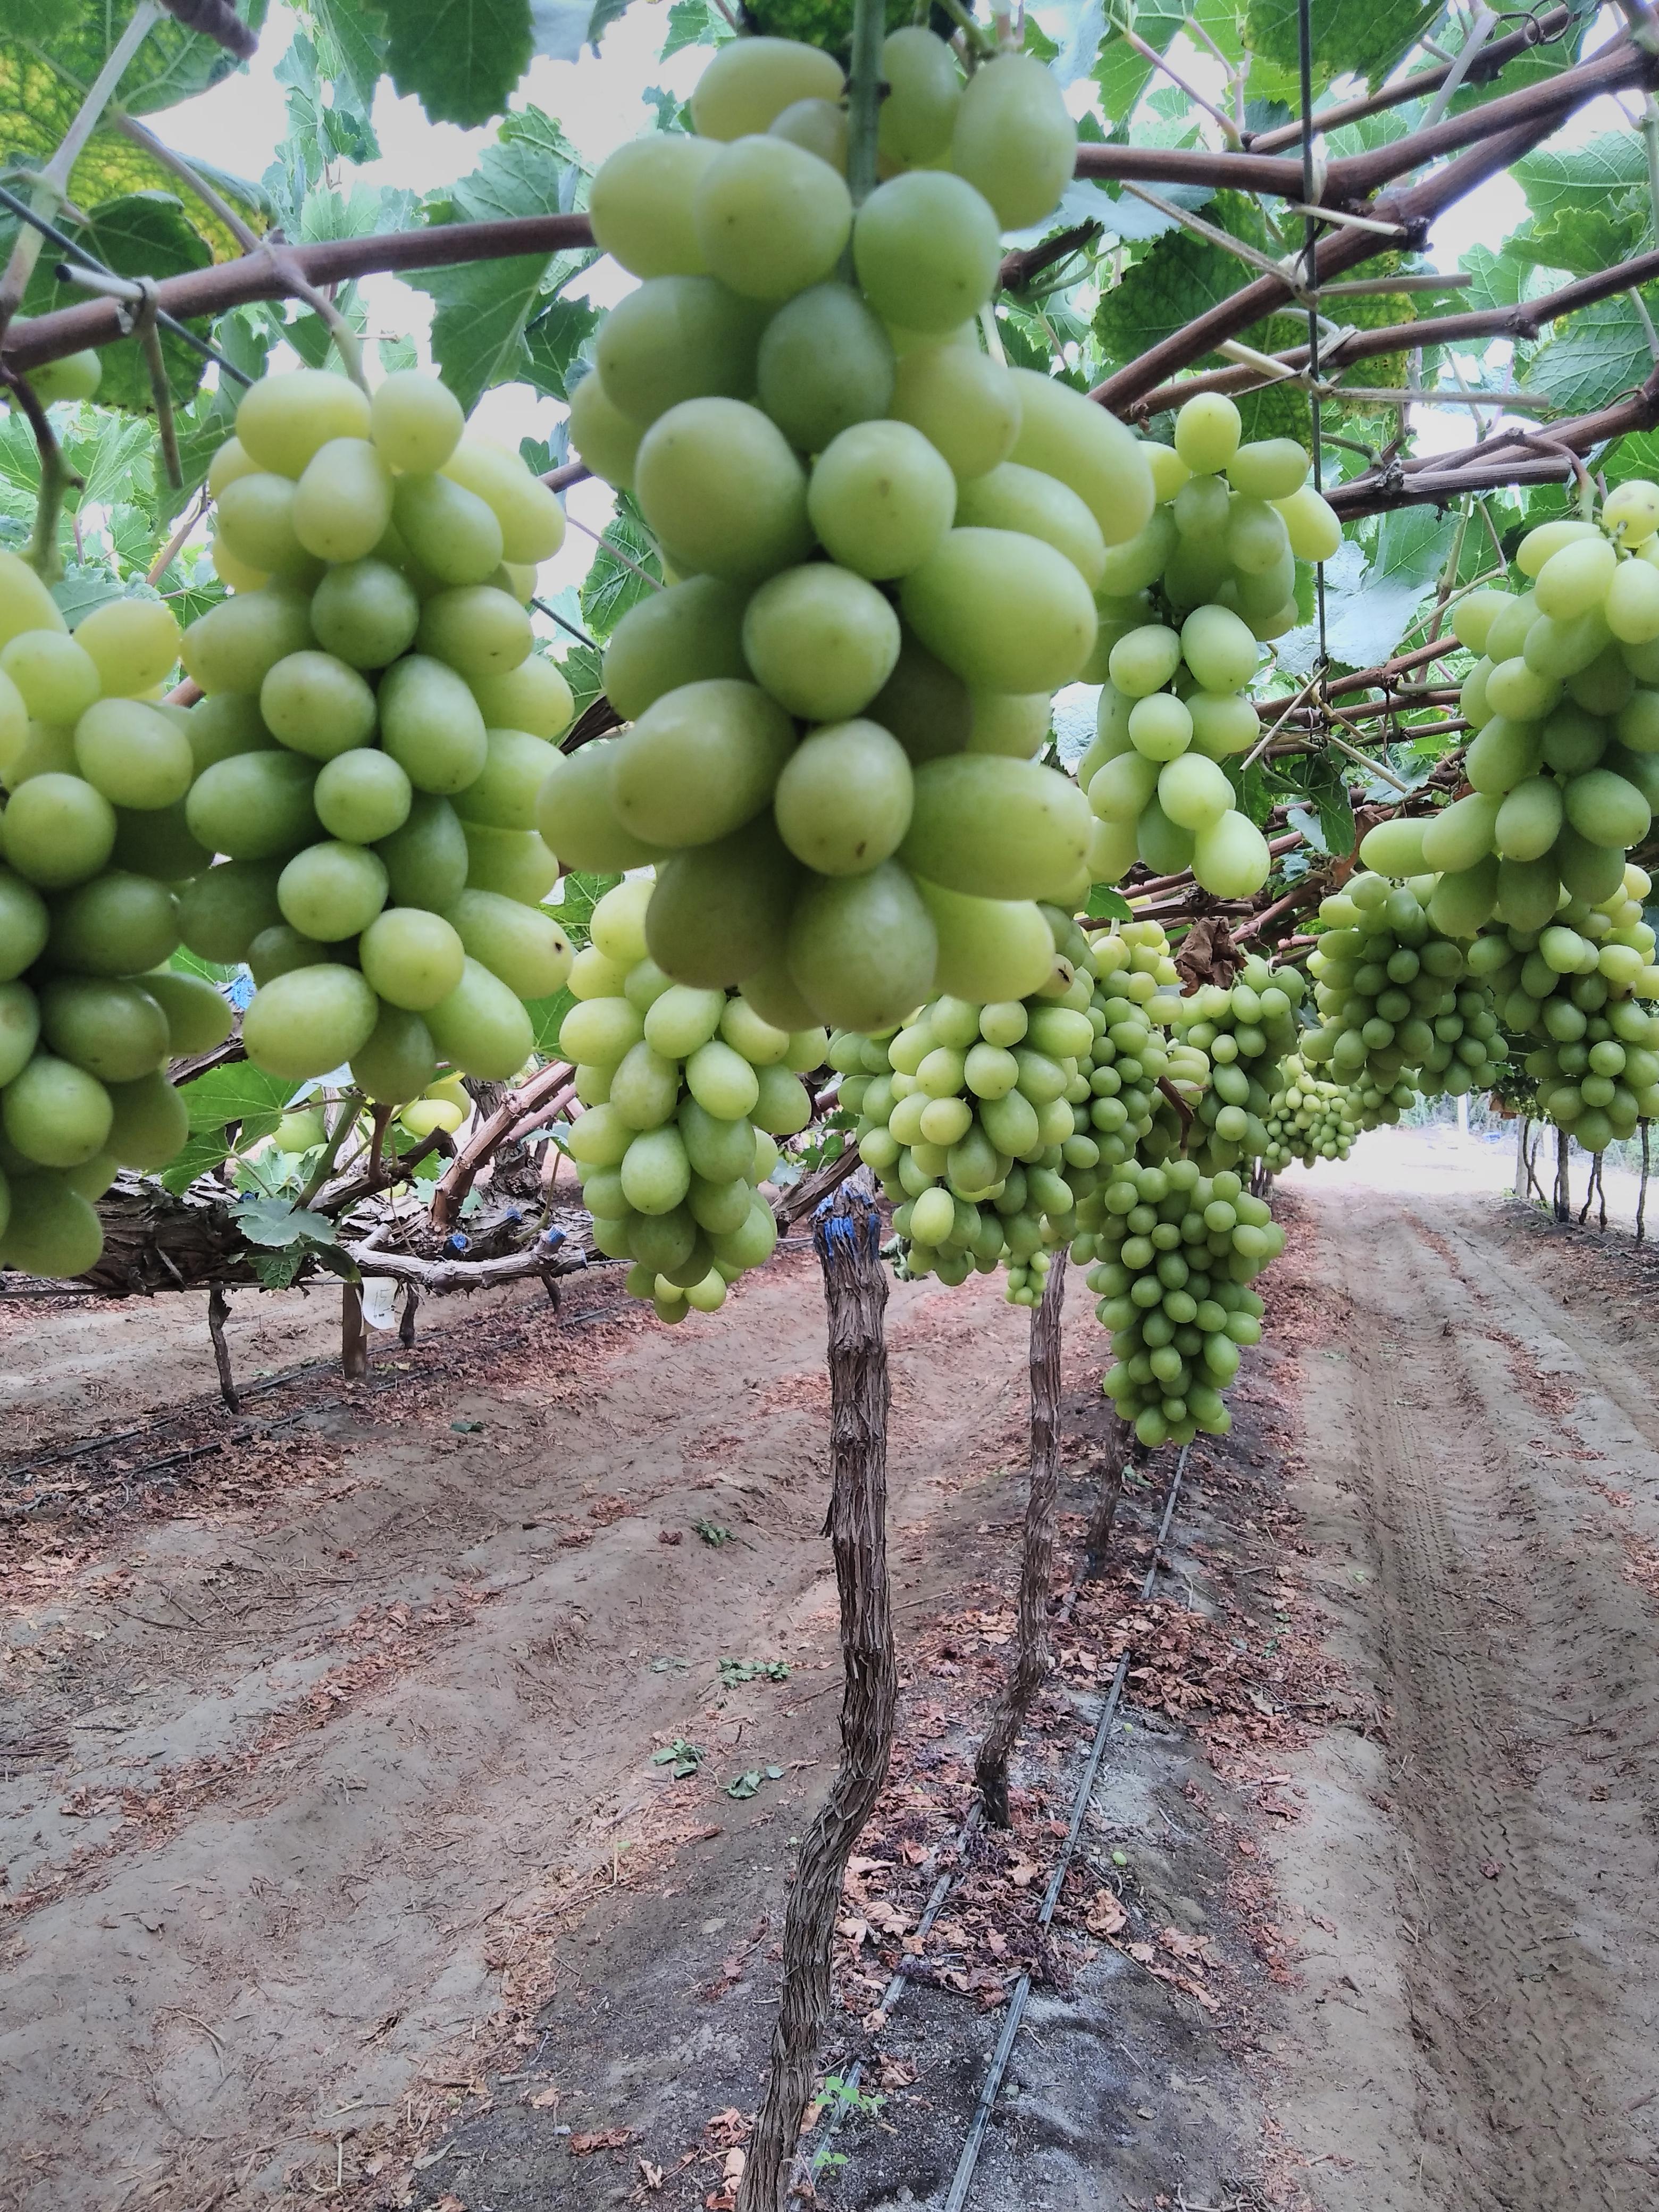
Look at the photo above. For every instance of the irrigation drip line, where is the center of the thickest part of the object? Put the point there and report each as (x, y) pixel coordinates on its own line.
(974, 1818)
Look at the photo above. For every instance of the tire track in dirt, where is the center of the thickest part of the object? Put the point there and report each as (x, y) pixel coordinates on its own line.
(1523, 2059)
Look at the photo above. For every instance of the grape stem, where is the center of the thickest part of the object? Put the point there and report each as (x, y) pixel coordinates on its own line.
(865, 88)
(45, 554)
(350, 1102)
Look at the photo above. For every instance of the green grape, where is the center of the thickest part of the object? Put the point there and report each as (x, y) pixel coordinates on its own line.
(482, 1027)
(680, 1020)
(1015, 724)
(699, 762)
(1224, 723)
(149, 1122)
(224, 910)
(25, 920)
(119, 924)
(1630, 607)
(719, 911)
(966, 405)
(639, 205)
(825, 363)
(254, 806)
(254, 516)
(1012, 497)
(1193, 792)
(426, 860)
(863, 948)
(520, 944)
(55, 1113)
(881, 499)
(1160, 727)
(718, 484)
(1121, 787)
(678, 338)
(416, 422)
(274, 950)
(532, 519)
(282, 420)
(1163, 845)
(924, 94)
(1220, 650)
(1461, 834)
(57, 831)
(751, 80)
(399, 1060)
(76, 376)
(234, 645)
(504, 795)
(51, 1230)
(656, 1175)
(821, 640)
(1004, 610)
(717, 1148)
(111, 1027)
(752, 1245)
(362, 796)
(230, 722)
(133, 755)
(689, 634)
(332, 891)
(599, 1032)
(20, 1028)
(431, 726)
(1201, 509)
(25, 602)
(644, 1087)
(820, 125)
(365, 613)
(1256, 540)
(197, 1017)
(577, 817)
(1606, 809)
(1014, 139)
(1313, 525)
(771, 218)
(533, 697)
(927, 708)
(989, 949)
(1505, 753)
(1573, 580)
(13, 718)
(721, 1081)
(309, 1021)
(842, 802)
(1207, 432)
(317, 705)
(1230, 857)
(995, 828)
(1065, 435)
(1268, 468)
(926, 251)
(515, 863)
(450, 531)
(1464, 900)
(412, 957)
(46, 752)
(759, 1041)
(785, 1105)
(58, 679)
(605, 439)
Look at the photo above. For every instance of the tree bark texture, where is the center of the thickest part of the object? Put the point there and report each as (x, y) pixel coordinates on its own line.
(1030, 1665)
(218, 1314)
(353, 1333)
(1642, 1189)
(1123, 1450)
(1562, 1176)
(847, 1234)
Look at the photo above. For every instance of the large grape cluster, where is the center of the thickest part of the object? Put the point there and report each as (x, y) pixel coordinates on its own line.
(89, 1011)
(1183, 608)
(885, 543)
(1310, 1119)
(685, 1091)
(1244, 1030)
(1396, 994)
(1172, 1255)
(1565, 699)
(374, 733)
(1584, 987)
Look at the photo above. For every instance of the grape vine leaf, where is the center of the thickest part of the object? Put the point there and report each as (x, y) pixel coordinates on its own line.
(239, 1092)
(460, 59)
(1352, 37)
(1593, 356)
(694, 23)
(146, 234)
(554, 343)
(614, 583)
(1121, 71)
(1180, 278)
(277, 1222)
(484, 306)
(351, 42)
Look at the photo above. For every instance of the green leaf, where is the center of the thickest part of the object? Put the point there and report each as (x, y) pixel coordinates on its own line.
(547, 1017)
(1593, 356)
(277, 1222)
(1181, 277)
(1104, 901)
(1500, 281)
(1122, 73)
(202, 1153)
(239, 1092)
(554, 343)
(612, 586)
(351, 44)
(143, 234)
(484, 306)
(1581, 178)
(277, 1270)
(694, 23)
(84, 586)
(244, 338)
(574, 906)
(460, 59)
(1358, 37)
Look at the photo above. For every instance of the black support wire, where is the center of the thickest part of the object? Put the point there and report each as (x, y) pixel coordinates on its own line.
(1312, 185)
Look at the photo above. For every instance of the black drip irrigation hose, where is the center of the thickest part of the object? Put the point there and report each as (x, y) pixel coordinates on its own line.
(896, 1988)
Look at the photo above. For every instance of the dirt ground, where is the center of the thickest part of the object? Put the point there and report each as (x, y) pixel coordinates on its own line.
(337, 1863)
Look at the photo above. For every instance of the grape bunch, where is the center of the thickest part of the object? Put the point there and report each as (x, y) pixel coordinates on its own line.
(1395, 993)
(685, 1091)
(1182, 607)
(1564, 700)
(885, 543)
(1172, 1253)
(90, 1012)
(1584, 985)
(364, 766)
(1244, 1030)
(1310, 1119)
